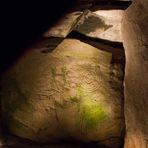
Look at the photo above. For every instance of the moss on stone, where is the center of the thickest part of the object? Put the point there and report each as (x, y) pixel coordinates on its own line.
(91, 113)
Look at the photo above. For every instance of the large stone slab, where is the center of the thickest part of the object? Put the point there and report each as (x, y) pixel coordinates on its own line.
(135, 39)
(72, 92)
(63, 26)
(103, 24)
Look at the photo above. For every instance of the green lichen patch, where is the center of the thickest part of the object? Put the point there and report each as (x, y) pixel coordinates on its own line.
(91, 113)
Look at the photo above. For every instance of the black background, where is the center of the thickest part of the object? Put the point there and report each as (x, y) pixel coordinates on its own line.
(22, 24)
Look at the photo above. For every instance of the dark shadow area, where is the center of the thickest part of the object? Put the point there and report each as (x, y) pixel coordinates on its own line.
(47, 45)
(75, 34)
(23, 23)
(67, 143)
(95, 5)
(107, 4)
(112, 4)
(92, 23)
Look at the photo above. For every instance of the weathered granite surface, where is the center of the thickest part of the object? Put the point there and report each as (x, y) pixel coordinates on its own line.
(71, 92)
(135, 39)
(63, 26)
(103, 24)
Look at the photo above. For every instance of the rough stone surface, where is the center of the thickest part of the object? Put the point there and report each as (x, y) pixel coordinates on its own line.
(63, 26)
(135, 38)
(103, 24)
(71, 92)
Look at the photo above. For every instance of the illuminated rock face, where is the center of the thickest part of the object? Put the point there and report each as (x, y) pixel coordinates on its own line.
(135, 39)
(102, 24)
(71, 92)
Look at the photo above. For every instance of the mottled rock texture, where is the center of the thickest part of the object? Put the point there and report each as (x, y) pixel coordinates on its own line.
(102, 24)
(71, 92)
(135, 39)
